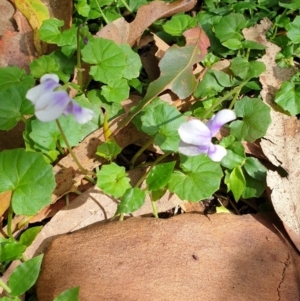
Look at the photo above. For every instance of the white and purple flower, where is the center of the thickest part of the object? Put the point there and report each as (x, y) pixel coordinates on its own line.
(196, 136)
(50, 102)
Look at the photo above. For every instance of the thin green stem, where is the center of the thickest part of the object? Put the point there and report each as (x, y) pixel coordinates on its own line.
(235, 98)
(79, 67)
(126, 5)
(81, 168)
(225, 97)
(90, 179)
(143, 148)
(139, 182)
(4, 286)
(23, 119)
(154, 209)
(102, 14)
(9, 220)
(121, 217)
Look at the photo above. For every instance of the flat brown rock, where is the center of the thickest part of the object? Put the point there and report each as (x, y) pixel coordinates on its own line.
(188, 257)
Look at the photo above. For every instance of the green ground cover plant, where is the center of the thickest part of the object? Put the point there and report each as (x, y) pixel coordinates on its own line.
(192, 163)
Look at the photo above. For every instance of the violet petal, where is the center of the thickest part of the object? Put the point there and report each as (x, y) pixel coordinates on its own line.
(218, 120)
(190, 149)
(195, 132)
(216, 152)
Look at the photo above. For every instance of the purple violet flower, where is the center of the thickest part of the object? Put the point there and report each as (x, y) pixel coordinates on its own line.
(196, 136)
(49, 102)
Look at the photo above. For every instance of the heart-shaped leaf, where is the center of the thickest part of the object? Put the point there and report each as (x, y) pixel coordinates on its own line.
(29, 177)
(251, 110)
(199, 179)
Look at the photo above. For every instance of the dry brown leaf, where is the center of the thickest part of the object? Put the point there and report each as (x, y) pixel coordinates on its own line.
(188, 257)
(281, 143)
(120, 31)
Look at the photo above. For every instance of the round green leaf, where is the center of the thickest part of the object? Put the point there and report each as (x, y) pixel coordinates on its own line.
(131, 201)
(256, 119)
(29, 177)
(230, 26)
(199, 179)
(133, 62)
(178, 24)
(14, 76)
(45, 135)
(25, 276)
(116, 90)
(161, 120)
(12, 106)
(108, 58)
(113, 180)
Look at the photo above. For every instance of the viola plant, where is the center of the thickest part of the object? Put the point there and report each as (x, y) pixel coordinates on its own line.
(50, 101)
(102, 74)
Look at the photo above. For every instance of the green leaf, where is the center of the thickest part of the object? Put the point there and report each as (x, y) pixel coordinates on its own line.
(230, 27)
(108, 58)
(82, 8)
(293, 5)
(231, 160)
(108, 150)
(116, 90)
(253, 45)
(24, 276)
(255, 169)
(212, 83)
(161, 120)
(178, 24)
(159, 176)
(29, 235)
(199, 179)
(246, 70)
(11, 250)
(45, 135)
(157, 194)
(43, 65)
(177, 77)
(29, 177)
(254, 188)
(133, 62)
(236, 182)
(47, 64)
(13, 106)
(50, 31)
(288, 97)
(256, 119)
(233, 44)
(14, 76)
(71, 294)
(132, 200)
(113, 180)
